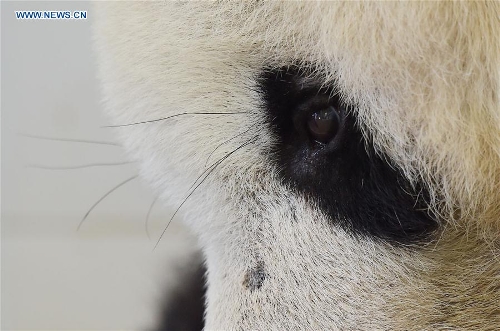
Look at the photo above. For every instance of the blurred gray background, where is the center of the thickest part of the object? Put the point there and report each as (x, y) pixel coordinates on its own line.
(105, 276)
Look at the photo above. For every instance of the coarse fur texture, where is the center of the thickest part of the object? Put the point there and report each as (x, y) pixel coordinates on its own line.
(422, 80)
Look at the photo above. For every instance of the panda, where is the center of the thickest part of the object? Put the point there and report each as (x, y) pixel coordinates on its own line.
(338, 162)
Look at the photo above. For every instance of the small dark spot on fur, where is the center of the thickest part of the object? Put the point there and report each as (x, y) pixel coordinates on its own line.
(255, 277)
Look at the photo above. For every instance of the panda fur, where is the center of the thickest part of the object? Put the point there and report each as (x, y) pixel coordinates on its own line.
(396, 228)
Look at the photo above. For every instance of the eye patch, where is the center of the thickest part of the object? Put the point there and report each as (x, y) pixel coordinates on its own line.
(321, 153)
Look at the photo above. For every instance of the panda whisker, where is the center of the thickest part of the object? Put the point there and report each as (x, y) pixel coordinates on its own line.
(208, 172)
(85, 141)
(214, 164)
(225, 142)
(82, 166)
(184, 201)
(102, 198)
(146, 227)
(172, 116)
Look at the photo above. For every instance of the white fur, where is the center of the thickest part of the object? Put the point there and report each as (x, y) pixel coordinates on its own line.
(426, 79)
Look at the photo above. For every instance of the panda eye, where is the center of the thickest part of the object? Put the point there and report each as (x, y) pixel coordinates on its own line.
(323, 125)
(321, 152)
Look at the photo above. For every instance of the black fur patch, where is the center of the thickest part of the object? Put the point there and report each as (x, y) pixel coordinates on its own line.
(255, 277)
(185, 307)
(355, 187)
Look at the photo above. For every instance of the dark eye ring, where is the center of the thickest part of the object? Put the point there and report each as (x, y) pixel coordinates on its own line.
(324, 124)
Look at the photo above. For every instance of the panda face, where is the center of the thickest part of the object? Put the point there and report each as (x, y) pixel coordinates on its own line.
(339, 162)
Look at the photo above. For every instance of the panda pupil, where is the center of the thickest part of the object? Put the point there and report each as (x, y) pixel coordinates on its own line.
(323, 125)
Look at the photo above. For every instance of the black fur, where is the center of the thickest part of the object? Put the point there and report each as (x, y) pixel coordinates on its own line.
(184, 310)
(255, 277)
(355, 187)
